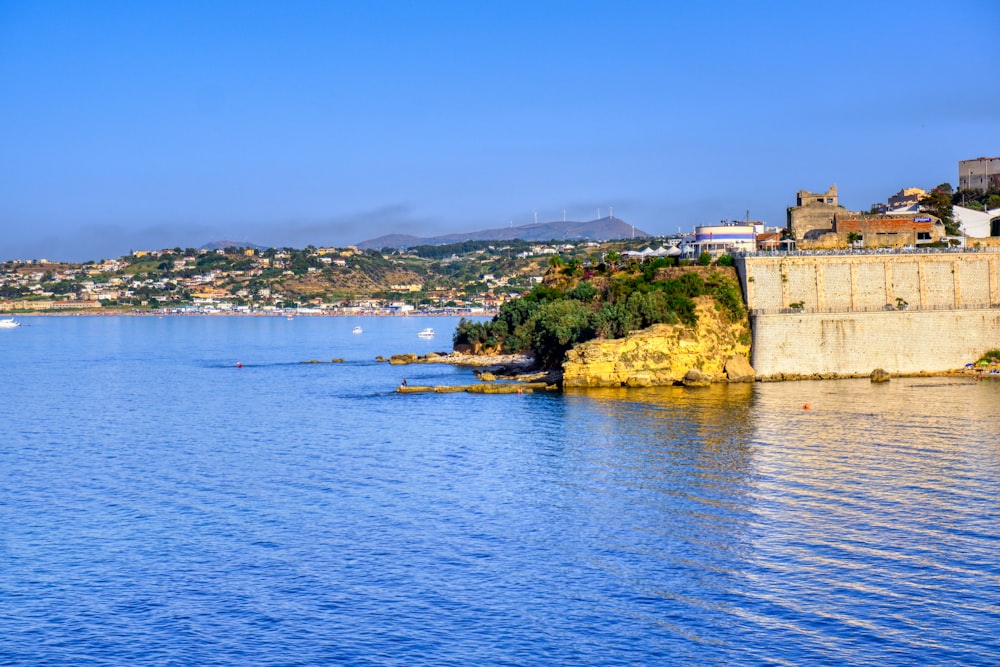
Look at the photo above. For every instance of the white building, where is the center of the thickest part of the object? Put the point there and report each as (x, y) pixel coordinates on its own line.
(724, 239)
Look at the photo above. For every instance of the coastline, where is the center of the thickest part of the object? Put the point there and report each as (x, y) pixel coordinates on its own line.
(517, 367)
(285, 314)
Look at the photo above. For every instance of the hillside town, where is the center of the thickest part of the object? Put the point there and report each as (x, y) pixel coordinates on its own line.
(237, 280)
(477, 277)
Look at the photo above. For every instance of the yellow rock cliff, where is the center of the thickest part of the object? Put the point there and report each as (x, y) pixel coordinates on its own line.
(663, 354)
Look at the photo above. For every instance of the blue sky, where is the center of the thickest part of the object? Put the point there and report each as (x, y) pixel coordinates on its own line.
(141, 125)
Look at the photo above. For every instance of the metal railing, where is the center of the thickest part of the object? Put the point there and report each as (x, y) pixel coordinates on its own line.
(888, 308)
(847, 252)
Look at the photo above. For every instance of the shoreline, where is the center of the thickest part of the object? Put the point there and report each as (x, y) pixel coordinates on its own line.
(518, 367)
(287, 314)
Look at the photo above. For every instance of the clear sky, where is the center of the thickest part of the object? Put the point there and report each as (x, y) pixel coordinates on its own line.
(143, 125)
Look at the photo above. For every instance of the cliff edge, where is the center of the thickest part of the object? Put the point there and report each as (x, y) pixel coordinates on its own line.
(664, 354)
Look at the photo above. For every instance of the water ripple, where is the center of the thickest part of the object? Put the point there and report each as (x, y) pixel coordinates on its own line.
(181, 511)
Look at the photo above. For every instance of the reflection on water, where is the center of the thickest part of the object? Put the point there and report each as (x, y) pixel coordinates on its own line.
(160, 506)
(847, 521)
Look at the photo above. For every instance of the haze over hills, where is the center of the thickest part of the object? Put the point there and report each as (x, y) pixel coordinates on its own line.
(602, 229)
(222, 245)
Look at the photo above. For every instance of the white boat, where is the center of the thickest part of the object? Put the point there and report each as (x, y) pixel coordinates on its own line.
(426, 333)
(9, 323)
(357, 330)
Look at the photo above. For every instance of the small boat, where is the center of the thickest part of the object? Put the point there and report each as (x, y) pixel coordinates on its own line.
(9, 323)
(426, 333)
(357, 330)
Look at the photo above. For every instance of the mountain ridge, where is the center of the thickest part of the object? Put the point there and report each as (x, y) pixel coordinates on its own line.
(600, 229)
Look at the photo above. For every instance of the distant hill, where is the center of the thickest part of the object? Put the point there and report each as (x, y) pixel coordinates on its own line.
(602, 229)
(222, 245)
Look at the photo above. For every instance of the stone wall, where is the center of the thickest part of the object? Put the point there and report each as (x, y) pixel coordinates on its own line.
(906, 313)
(906, 342)
(866, 282)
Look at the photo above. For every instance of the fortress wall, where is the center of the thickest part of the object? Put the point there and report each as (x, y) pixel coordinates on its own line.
(975, 282)
(850, 323)
(938, 285)
(766, 287)
(834, 296)
(904, 342)
(802, 282)
(867, 282)
(871, 286)
(905, 283)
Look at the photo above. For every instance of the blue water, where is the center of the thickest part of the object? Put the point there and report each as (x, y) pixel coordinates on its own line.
(161, 506)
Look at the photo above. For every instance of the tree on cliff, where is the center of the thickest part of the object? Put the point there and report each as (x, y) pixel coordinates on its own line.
(549, 321)
(937, 202)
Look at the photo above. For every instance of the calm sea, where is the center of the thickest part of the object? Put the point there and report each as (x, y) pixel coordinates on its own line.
(161, 506)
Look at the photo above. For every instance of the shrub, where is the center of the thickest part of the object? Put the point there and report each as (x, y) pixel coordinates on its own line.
(728, 296)
(561, 325)
(990, 356)
(549, 321)
(583, 291)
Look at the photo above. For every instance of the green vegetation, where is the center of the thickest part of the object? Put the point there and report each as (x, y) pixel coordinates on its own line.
(989, 357)
(462, 275)
(465, 247)
(977, 200)
(577, 304)
(938, 202)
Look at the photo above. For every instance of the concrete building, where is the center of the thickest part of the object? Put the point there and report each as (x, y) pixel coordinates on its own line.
(905, 198)
(724, 239)
(813, 213)
(982, 174)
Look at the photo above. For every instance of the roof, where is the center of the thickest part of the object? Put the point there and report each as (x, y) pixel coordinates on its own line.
(974, 223)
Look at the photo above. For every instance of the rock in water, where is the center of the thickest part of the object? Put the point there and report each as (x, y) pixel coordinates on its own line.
(738, 369)
(695, 378)
(880, 375)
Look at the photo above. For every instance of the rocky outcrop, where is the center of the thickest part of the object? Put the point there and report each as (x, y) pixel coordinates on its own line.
(880, 375)
(738, 369)
(510, 361)
(504, 388)
(663, 354)
(695, 378)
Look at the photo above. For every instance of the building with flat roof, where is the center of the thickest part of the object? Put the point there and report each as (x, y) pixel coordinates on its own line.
(983, 174)
(892, 231)
(813, 212)
(724, 239)
(905, 198)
